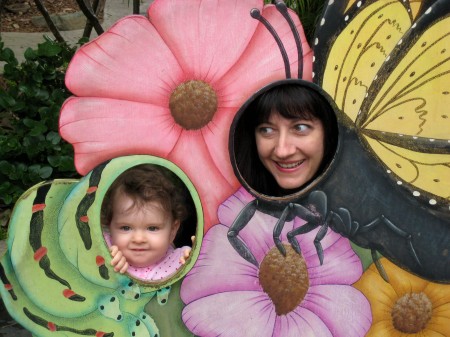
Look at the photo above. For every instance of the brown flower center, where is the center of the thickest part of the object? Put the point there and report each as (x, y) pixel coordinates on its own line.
(193, 104)
(284, 278)
(412, 312)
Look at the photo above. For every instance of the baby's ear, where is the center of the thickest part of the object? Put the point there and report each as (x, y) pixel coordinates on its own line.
(174, 231)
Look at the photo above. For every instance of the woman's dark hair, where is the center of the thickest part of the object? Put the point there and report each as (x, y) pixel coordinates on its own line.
(290, 100)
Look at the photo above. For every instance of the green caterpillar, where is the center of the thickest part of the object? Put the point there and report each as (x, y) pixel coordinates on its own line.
(56, 276)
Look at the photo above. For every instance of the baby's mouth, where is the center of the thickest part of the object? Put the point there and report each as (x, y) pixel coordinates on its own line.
(290, 165)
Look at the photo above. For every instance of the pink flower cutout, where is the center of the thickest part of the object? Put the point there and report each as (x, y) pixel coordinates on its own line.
(170, 86)
(225, 295)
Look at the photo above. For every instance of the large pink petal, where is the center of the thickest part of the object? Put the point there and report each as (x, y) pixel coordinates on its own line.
(345, 310)
(192, 156)
(218, 269)
(216, 135)
(102, 128)
(300, 323)
(129, 61)
(230, 208)
(262, 62)
(231, 314)
(206, 37)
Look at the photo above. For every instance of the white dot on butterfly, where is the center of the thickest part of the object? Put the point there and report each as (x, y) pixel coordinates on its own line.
(375, 78)
(367, 94)
(358, 4)
(389, 171)
(346, 18)
(428, 11)
(331, 2)
(400, 135)
(400, 42)
(433, 202)
(316, 41)
(314, 74)
(388, 58)
(399, 182)
(431, 140)
(416, 193)
(414, 137)
(414, 25)
(322, 22)
(314, 58)
(359, 112)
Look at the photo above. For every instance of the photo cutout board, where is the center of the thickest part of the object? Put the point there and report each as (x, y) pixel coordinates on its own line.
(361, 250)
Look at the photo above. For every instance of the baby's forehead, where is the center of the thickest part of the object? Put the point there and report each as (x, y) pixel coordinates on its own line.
(123, 202)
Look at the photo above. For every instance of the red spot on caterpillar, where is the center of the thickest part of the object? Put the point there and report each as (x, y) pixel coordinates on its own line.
(37, 208)
(91, 189)
(51, 326)
(99, 334)
(68, 293)
(99, 260)
(8, 286)
(84, 218)
(40, 253)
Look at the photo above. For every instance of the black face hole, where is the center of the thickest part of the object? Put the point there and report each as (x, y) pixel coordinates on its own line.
(181, 186)
(291, 99)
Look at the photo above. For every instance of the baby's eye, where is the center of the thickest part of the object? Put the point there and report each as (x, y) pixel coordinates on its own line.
(152, 228)
(125, 228)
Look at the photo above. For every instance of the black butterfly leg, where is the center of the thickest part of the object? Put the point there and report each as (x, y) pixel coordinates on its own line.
(313, 220)
(279, 227)
(396, 230)
(343, 224)
(238, 224)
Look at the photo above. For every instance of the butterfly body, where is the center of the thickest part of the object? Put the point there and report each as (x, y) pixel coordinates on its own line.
(361, 185)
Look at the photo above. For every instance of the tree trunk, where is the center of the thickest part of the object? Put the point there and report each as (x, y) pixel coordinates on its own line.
(85, 7)
(40, 6)
(98, 6)
(136, 4)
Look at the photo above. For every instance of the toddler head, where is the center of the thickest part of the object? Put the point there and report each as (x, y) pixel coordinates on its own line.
(143, 210)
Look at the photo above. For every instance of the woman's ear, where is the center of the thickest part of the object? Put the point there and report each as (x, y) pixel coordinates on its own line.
(174, 230)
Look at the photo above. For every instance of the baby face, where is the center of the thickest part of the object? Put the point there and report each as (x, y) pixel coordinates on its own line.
(143, 234)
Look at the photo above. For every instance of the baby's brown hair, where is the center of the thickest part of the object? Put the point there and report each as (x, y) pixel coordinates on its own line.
(148, 183)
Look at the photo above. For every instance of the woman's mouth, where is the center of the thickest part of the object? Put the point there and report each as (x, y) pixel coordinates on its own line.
(289, 165)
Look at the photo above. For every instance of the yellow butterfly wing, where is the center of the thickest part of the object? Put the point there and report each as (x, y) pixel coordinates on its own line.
(360, 50)
(407, 121)
(388, 71)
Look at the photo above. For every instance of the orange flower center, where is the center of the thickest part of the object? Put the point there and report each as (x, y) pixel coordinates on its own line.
(284, 278)
(412, 312)
(193, 104)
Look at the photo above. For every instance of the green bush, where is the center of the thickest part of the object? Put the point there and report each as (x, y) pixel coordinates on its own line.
(31, 96)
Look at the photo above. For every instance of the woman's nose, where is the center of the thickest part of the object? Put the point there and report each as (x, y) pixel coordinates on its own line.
(284, 146)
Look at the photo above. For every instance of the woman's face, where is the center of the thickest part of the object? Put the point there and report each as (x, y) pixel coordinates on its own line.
(290, 149)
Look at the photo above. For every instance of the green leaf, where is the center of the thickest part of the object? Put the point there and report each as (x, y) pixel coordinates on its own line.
(45, 172)
(30, 54)
(48, 49)
(53, 137)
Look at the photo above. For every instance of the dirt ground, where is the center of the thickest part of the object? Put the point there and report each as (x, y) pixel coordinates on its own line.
(21, 21)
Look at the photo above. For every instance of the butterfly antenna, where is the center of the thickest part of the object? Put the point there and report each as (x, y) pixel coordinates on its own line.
(256, 14)
(282, 8)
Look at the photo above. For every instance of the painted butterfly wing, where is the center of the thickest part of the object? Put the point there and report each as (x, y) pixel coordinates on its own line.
(386, 84)
(406, 120)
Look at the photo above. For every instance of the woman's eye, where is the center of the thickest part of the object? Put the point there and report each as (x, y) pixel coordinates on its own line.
(265, 130)
(302, 127)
